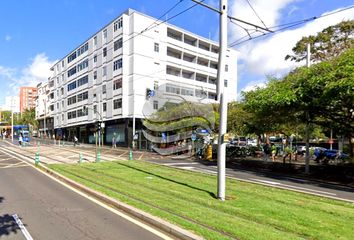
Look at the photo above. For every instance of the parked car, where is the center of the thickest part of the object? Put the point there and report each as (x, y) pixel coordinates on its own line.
(325, 155)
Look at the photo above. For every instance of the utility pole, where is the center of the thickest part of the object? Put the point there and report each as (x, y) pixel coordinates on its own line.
(222, 98)
(307, 156)
(12, 119)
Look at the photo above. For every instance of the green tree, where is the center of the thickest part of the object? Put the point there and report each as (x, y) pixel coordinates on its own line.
(28, 117)
(325, 45)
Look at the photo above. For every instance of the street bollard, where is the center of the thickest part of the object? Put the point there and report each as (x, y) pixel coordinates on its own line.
(130, 155)
(36, 159)
(80, 158)
(98, 157)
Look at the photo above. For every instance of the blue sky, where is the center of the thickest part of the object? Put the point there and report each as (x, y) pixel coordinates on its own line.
(35, 33)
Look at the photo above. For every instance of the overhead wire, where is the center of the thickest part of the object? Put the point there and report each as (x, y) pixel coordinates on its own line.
(285, 26)
(249, 3)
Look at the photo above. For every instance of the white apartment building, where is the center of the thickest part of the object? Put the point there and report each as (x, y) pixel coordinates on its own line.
(44, 110)
(111, 72)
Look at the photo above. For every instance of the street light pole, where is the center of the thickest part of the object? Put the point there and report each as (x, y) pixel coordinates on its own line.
(222, 100)
(12, 119)
(45, 113)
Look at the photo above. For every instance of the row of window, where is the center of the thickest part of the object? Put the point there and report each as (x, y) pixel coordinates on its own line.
(78, 83)
(117, 104)
(82, 65)
(78, 98)
(189, 91)
(78, 52)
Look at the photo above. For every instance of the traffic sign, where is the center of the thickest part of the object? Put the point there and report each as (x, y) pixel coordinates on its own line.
(330, 141)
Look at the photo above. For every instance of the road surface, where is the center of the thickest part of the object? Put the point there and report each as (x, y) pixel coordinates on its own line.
(49, 210)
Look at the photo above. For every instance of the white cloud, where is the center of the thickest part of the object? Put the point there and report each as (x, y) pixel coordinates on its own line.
(266, 56)
(253, 85)
(38, 70)
(8, 38)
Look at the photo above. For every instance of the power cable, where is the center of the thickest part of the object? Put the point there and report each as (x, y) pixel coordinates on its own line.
(249, 3)
(287, 26)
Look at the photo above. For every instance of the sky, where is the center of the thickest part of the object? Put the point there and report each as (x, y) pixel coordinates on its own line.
(36, 33)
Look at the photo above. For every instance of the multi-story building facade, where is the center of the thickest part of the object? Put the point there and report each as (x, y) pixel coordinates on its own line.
(111, 72)
(43, 113)
(27, 98)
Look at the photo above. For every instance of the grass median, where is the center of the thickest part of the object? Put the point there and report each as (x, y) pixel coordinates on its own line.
(188, 199)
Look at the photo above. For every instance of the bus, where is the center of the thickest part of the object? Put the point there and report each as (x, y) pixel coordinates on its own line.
(22, 129)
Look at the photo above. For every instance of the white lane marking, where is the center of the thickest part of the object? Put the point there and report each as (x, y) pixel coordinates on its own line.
(22, 227)
(178, 163)
(186, 168)
(115, 211)
(291, 186)
(265, 181)
(3, 160)
(297, 179)
(14, 166)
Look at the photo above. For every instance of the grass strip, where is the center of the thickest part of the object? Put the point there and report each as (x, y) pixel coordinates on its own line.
(188, 199)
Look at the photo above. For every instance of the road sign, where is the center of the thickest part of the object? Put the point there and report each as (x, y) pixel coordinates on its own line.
(194, 137)
(330, 141)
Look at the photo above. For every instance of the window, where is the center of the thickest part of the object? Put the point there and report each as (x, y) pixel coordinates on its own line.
(156, 85)
(172, 89)
(62, 91)
(95, 58)
(117, 83)
(118, 44)
(72, 57)
(156, 105)
(104, 89)
(95, 75)
(71, 100)
(187, 92)
(211, 95)
(105, 34)
(156, 47)
(225, 83)
(118, 64)
(71, 71)
(62, 63)
(118, 24)
(82, 49)
(71, 86)
(82, 65)
(117, 103)
(82, 81)
(226, 68)
(81, 112)
(95, 108)
(62, 77)
(200, 93)
(95, 40)
(104, 52)
(104, 107)
(71, 114)
(82, 96)
(104, 71)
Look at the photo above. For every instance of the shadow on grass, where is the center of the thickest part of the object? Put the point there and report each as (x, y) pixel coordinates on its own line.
(170, 180)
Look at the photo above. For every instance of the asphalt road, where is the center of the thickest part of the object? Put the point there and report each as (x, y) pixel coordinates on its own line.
(266, 178)
(48, 210)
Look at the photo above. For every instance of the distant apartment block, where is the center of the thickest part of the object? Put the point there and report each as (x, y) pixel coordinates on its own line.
(27, 98)
(112, 70)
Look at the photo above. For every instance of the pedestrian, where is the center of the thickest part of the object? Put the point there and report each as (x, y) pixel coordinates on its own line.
(75, 141)
(20, 139)
(274, 151)
(114, 141)
(266, 151)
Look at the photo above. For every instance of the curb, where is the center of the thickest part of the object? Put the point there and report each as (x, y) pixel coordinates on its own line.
(161, 224)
